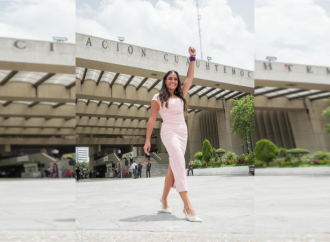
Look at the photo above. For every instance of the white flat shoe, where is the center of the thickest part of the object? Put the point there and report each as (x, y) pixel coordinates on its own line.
(163, 209)
(192, 219)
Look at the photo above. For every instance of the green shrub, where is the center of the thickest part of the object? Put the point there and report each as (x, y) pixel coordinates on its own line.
(204, 164)
(199, 155)
(259, 164)
(197, 163)
(207, 150)
(286, 164)
(216, 163)
(297, 152)
(231, 155)
(289, 157)
(249, 159)
(266, 151)
(220, 152)
(320, 155)
(282, 150)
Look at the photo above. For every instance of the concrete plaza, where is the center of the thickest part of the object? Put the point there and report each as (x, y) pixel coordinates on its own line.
(233, 208)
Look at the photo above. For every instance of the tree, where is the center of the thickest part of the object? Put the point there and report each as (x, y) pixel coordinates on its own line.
(199, 155)
(243, 113)
(266, 151)
(207, 150)
(83, 164)
(326, 114)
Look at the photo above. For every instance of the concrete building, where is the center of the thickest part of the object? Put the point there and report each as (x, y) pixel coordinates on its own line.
(82, 154)
(37, 101)
(289, 103)
(115, 83)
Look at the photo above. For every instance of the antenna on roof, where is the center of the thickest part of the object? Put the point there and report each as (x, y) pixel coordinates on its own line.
(199, 17)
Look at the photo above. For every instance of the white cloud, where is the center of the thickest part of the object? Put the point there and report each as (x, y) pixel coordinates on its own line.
(295, 31)
(38, 19)
(173, 28)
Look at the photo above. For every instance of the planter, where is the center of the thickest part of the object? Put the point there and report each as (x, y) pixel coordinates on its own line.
(320, 171)
(235, 171)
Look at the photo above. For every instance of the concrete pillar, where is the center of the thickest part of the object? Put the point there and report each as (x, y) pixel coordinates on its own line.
(308, 126)
(228, 141)
(5, 148)
(194, 143)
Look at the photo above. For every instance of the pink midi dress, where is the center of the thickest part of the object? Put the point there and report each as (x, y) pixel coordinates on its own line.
(174, 136)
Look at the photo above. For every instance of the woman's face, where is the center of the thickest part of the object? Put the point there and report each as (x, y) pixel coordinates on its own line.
(172, 81)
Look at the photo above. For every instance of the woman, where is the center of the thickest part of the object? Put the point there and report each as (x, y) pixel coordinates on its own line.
(55, 171)
(171, 105)
(119, 169)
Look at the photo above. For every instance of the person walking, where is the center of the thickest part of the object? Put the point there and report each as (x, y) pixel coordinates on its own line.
(135, 169)
(190, 168)
(78, 173)
(139, 169)
(131, 168)
(131, 159)
(148, 169)
(170, 102)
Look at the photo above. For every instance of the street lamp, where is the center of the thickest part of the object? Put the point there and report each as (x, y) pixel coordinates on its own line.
(271, 58)
(60, 39)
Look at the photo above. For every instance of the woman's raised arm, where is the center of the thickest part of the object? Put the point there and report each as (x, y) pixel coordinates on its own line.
(190, 74)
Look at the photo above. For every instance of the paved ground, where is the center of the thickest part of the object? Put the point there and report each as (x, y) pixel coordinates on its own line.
(133, 204)
(37, 204)
(233, 209)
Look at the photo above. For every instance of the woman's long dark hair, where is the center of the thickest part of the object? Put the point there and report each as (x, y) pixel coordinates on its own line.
(164, 94)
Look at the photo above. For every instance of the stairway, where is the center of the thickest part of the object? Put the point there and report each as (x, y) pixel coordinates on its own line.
(157, 170)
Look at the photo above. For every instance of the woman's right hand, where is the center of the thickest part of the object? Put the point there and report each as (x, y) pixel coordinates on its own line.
(147, 147)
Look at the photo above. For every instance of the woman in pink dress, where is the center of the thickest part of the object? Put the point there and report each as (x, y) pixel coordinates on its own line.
(172, 105)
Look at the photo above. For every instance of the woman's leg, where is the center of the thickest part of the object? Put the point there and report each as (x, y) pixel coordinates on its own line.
(169, 179)
(187, 205)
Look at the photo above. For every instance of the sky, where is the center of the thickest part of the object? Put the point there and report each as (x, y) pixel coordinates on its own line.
(294, 31)
(234, 32)
(173, 27)
(38, 19)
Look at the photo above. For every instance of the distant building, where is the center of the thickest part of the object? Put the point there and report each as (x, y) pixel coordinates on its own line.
(82, 154)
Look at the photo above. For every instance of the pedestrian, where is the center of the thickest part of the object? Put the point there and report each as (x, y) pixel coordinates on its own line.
(116, 172)
(135, 169)
(171, 104)
(77, 173)
(119, 169)
(68, 174)
(94, 173)
(125, 174)
(190, 168)
(139, 169)
(131, 170)
(131, 159)
(148, 169)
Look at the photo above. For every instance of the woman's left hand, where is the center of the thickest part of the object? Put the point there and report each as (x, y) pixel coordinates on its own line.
(192, 51)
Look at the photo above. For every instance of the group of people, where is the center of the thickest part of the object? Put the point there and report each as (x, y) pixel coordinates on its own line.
(136, 169)
(8, 173)
(81, 174)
